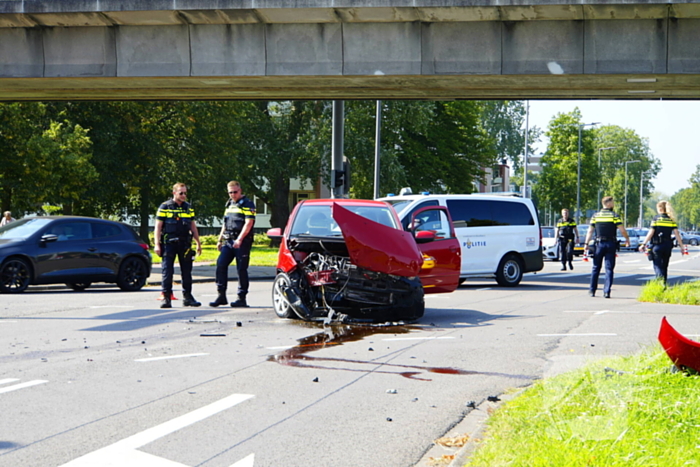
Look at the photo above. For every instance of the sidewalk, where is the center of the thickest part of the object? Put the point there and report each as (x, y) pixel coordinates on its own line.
(204, 272)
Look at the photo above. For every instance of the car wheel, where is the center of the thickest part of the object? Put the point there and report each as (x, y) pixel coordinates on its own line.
(132, 274)
(694, 242)
(15, 276)
(78, 286)
(279, 302)
(510, 271)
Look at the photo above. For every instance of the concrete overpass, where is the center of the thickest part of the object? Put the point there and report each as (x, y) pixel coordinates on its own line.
(349, 49)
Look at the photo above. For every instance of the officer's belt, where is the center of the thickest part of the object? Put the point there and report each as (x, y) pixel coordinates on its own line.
(605, 239)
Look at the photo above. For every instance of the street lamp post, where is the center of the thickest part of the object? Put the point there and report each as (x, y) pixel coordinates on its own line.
(600, 169)
(627, 162)
(578, 175)
(640, 224)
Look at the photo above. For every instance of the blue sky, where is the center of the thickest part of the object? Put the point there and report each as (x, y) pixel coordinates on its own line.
(671, 127)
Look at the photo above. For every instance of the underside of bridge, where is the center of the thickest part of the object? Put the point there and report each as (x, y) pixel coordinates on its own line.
(352, 49)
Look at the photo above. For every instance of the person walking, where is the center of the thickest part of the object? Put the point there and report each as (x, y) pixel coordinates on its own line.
(6, 218)
(605, 224)
(175, 228)
(235, 241)
(567, 232)
(660, 241)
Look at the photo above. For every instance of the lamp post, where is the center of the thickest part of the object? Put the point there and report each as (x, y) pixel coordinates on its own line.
(600, 168)
(640, 224)
(578, 176)
(627, 162)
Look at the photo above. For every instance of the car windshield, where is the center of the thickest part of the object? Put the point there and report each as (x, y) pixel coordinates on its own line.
(316, 220)
(23, 228)
(399, 204)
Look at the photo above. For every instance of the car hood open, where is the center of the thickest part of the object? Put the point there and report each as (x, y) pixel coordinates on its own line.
(375, 246)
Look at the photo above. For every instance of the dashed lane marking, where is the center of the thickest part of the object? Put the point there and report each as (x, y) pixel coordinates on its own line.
(601, 312)
(22, 385)
(168, 357)
(590, 334)
(8, 380)
(417, 338)
(125, 452)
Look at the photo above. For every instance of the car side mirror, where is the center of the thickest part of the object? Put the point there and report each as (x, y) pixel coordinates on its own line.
(425, 236)
(48, 238)
(274, 233)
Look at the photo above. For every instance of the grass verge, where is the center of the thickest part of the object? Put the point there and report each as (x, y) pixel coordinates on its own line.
(259, 255)
(685, 293)
(621, 411)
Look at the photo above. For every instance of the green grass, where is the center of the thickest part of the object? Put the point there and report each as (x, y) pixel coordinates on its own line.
(260, 255)
(623, 411)
(685, 293)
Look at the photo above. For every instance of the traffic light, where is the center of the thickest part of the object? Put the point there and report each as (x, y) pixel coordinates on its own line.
(339, 178)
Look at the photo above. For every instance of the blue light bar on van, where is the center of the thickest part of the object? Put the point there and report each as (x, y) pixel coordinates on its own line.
(425, 193)
(390, 194)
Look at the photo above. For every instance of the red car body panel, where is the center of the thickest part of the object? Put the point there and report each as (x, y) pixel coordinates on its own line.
(444, 276)
(376, 247)
(682, 351)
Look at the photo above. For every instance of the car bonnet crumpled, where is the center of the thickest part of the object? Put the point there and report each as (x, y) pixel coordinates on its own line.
(375, 246)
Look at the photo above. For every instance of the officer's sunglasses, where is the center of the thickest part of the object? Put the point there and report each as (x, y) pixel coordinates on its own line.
(233, 192)
(182, 192)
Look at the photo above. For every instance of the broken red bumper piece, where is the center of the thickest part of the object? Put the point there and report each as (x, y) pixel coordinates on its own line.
(683, 352)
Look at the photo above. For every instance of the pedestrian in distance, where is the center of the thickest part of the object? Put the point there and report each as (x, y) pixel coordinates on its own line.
(567, 233)
(175, 229)
(235, 241)
(6, 218)
(605, 224)
(659, 241)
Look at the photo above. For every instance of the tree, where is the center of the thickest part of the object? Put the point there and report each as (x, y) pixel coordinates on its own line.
(686, 203)
(628, 146)
(44, 161)
(504, 122)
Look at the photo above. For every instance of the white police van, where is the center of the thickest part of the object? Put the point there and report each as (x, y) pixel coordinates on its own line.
(499, 233)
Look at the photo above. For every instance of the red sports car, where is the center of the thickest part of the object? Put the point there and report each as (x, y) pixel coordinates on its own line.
(350, 260)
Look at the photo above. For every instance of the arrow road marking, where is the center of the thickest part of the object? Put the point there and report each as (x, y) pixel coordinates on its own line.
(125, 452)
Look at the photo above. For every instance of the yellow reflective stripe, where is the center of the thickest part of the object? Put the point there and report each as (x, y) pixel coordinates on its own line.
(174, 213)
(664, 223)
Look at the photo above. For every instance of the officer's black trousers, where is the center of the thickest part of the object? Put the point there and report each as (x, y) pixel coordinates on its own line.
(226, 256)
(185, 255)
(566, 250)
(662, 255)
(604, 251)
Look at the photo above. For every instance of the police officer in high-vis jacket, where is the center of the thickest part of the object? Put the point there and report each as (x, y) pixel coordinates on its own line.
(605, 224)
(174, 231)
(660, 239)
(567, 233)
(235, 241)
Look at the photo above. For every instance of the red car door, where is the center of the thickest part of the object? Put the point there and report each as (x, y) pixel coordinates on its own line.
(441, 256)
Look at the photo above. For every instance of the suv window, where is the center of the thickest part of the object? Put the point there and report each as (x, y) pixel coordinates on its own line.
(484, 213)
(100, 230)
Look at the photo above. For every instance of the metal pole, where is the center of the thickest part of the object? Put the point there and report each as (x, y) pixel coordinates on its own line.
(377, 143)
(527, 130)
(578, 178)
(337, 146)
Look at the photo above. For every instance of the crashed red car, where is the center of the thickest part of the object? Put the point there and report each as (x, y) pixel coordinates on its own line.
(350, 260)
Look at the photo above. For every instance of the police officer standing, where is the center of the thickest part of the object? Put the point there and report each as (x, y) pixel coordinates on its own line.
(662, 226)
(567, 231)
(174, 231)
(235, 241)
(605, 224)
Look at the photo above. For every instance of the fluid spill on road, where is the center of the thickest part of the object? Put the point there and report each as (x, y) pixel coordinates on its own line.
(297, 356)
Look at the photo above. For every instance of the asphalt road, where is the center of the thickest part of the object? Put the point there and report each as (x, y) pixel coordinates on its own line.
(105, 377)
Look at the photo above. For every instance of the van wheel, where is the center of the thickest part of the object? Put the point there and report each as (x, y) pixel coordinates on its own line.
(510, 271)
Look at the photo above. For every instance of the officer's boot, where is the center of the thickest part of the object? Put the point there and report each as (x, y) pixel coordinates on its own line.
(221, 299)
(165, 303)
(240, 303)
(188, 300)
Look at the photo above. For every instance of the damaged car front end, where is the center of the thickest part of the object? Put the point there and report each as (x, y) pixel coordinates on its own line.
(349, 261)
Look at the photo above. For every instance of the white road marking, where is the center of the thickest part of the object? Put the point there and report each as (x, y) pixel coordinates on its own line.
(125, 452)
(677, 262)
(485, 288)
(579, 335)
(167, 357)
(416, 338)
(280, 347)
(8, 380)
(600, 312)
(110, 306)
(6, 321)
(22, 385)
(245, 462)
(650, 278)
(635, 261)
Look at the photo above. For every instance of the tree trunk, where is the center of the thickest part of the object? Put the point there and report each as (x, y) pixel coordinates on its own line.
(144, 213)
(279, 206)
